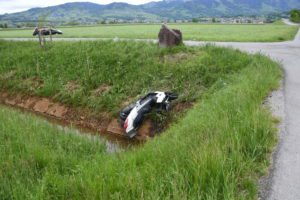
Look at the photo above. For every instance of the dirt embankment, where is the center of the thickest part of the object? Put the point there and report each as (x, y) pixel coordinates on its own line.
(102, 123)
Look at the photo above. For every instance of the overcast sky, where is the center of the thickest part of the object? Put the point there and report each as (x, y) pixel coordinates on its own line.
(10, 6)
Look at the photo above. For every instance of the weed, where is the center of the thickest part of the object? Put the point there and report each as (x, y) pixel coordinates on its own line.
(215, 151)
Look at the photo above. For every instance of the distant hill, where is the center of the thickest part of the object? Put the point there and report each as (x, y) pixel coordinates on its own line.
(81, 13)
(195, 8)
(86, 12)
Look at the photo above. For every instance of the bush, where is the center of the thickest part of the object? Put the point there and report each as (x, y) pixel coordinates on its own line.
(295, 16)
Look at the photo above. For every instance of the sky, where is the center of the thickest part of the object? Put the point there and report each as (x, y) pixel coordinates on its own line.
(11, 6)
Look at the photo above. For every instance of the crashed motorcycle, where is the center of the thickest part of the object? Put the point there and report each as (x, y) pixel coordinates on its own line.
(133, 115)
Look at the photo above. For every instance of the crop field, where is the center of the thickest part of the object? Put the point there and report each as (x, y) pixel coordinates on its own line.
(199, 32)
(217, 150)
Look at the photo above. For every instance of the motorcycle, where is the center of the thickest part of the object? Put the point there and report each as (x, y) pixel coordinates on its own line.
(133, 115)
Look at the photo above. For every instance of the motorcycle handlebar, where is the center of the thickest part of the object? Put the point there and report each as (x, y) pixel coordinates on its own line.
(172, 96)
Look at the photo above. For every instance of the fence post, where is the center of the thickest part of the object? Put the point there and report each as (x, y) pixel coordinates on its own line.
(40, 38)
(50, 34)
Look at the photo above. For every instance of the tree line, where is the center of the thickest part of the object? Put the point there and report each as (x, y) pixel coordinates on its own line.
(3, 25)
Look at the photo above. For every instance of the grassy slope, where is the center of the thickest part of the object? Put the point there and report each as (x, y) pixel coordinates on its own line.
(129, 69)
(215, 152)
(210, 32)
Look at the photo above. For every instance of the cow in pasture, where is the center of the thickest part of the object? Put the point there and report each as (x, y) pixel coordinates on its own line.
(44, 31)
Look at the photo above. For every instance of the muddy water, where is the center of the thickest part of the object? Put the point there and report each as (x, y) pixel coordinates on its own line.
(112, 143)
(102, 122)
(112, 146)
(102, 126)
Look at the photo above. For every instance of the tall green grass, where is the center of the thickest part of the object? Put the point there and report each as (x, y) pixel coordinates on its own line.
(71, 72)
(217, 151)
(30, 146)
(202, 32)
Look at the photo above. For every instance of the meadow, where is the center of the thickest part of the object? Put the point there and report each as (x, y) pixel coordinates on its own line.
(102, 75)
(217, 150)
(200, 32)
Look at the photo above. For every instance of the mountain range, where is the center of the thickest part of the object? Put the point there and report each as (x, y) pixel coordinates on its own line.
(86, 12)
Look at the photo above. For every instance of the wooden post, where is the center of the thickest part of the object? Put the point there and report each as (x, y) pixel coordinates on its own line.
(50, 34)
(44, 40)
(40, 38)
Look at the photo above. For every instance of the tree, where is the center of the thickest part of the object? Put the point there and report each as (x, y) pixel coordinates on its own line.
(101, 22)
(213, 20)
(195, 20)
(30, 24)
(5, 25)
(1, 26)
(295, 16)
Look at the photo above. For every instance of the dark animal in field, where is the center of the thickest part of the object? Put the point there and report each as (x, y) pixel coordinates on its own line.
(169, 37)
(45, 31)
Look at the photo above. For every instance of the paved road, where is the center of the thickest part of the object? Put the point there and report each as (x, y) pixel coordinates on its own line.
(288, 22)
(284, 180)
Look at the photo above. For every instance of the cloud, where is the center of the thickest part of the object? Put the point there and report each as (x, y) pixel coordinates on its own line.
(11, 6)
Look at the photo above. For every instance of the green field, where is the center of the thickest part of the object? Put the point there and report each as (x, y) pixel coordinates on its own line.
(216, 151)
(72, 72)
(200, 32)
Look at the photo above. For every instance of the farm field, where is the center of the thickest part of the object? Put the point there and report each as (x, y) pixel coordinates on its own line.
(217, 150)
(210, 32)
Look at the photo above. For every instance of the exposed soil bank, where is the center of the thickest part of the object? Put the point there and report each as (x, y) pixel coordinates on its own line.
(102, 124)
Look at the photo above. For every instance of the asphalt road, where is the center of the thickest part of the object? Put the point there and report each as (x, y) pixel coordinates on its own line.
(288, 22)
(283, 182)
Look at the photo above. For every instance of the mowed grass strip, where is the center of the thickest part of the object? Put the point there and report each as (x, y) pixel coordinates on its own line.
(102, 75)
(217, 151)
(200, 32)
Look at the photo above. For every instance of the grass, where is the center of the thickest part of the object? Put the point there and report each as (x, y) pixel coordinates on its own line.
(72, 73)
(217, 151)
(209, 32)
(279, 22)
